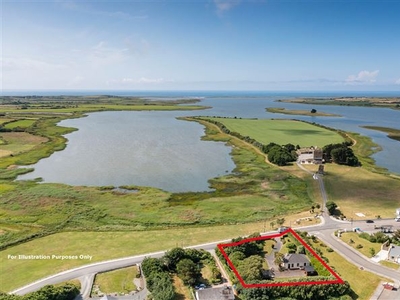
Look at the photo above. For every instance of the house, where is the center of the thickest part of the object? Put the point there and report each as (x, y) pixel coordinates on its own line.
(311, 155)
(294, 261)
(394, 253)
(218, 293)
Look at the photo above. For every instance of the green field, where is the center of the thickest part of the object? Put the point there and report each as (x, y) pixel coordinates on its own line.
(282, 131)
(20, 124)
(117, 281)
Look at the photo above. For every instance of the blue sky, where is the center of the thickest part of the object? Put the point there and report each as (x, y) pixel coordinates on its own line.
(303, 45)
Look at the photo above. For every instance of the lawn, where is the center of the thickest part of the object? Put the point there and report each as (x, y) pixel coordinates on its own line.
(117, 281)
(366, 245)
(282, 131)
(363, 283)
(390, 264)
(357, 190)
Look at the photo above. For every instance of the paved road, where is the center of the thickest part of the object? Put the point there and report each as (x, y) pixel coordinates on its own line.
(324, 231)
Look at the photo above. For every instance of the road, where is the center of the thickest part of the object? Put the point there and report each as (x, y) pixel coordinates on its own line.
(324, 231)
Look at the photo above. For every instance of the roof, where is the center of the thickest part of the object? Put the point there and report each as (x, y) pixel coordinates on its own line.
(394, 251)
(220, 293)
(295, 258)
(309, 269)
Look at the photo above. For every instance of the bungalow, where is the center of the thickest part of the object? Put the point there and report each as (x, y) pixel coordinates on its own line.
(295, 261)
(218, 293)
(311, 155)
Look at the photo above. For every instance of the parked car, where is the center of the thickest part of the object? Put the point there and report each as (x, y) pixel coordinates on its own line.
(397, 219)
(369, 221)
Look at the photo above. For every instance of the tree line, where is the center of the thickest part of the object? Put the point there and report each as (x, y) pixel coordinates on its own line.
(48, 292)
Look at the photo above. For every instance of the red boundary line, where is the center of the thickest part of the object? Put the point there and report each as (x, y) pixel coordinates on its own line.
(290, 230)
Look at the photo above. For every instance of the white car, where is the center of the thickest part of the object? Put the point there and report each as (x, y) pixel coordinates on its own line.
(397, 219)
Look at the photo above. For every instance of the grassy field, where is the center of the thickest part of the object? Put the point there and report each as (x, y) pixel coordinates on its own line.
(18, 142)
(357, 190)
(280, 110)
(346, 236)
(282, 131)
(390, 264)
(117, 281)
(363, 283)
(20, 124)
(98, 244)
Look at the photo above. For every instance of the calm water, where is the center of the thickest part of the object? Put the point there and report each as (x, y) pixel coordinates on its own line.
(136, 148)
(155, 149)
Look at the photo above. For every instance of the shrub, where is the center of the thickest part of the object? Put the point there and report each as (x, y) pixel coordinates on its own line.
(359, 246)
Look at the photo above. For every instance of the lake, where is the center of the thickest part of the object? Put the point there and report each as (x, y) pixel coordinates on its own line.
(136, 148)
(156, 149)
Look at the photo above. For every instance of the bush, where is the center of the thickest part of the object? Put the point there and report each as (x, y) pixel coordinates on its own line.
(359, 246)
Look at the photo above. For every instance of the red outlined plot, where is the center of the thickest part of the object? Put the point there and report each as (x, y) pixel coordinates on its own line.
(272, 284)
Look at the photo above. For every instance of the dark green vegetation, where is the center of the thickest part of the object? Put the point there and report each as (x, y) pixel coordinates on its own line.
(255, 191)
(300, 292)
(341, 154)
(380, 237)
(49, 292)
(248, 259)
(186, 263)
(392, 133)
(393, 102)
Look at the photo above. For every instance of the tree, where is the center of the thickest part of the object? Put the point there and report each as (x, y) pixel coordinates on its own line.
(172, 257)
(372, 251)
(301, 249)
(250, 268)
(278, 258)
(188, 271)
(331, 206)
(313, 111)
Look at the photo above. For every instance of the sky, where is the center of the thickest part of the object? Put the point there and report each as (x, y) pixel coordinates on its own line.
(271, 45)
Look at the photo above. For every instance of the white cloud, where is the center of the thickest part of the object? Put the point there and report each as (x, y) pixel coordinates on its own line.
(225, 5)
(363, 77)
(397, 81)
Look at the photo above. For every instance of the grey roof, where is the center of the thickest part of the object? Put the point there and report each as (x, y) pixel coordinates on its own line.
(394, 251)
(309, 269)
(220, 293)
(295, 258)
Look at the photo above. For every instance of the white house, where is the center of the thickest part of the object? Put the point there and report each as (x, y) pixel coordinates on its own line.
(311, 155)
(295, 261)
